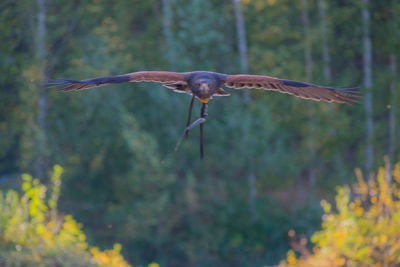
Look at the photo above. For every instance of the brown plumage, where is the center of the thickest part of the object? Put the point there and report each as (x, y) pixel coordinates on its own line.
(204, 85)
(299, 89)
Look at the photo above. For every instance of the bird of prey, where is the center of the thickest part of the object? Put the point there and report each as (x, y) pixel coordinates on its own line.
(205, 85)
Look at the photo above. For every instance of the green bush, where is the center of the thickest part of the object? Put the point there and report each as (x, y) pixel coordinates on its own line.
(365, 229)
(33, 234)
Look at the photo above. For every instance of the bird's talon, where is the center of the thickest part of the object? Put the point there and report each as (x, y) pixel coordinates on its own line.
(195, 123)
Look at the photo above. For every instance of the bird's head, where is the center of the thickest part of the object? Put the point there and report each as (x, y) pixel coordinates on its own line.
(204, 88)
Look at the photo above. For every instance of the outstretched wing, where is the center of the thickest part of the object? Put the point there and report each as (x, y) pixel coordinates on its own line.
(299, 89)
(142, 76)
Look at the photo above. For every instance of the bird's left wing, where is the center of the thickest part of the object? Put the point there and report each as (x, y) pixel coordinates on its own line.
(299, 89)
(142, 76)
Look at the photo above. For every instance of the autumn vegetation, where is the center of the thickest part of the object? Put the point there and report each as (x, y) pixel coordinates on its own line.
(34, 234)
(361, 229)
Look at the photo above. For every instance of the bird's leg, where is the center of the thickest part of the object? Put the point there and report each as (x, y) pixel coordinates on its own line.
(199, 121)
(188, 119)
(203, 114)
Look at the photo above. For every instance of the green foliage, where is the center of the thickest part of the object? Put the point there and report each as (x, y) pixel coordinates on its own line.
(32, 234)
(364, 231)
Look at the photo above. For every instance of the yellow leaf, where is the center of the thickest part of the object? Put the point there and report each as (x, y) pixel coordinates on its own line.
(291, 257)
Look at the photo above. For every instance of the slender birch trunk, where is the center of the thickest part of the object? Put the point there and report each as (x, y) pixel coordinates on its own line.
(306, 31)
(40, 43)
(392, 112)
(241, 36)
(168, 33)
(367, 69)
(326, 59)
(393, 84)
(309, 68)
(324, 36)
(241, 33)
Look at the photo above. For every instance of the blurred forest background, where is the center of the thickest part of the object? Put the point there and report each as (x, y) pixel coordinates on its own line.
(269, 158)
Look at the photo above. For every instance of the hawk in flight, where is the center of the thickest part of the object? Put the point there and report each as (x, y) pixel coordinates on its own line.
(204, 85)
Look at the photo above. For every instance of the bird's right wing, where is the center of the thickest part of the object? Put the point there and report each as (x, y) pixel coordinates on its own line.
(299, 89)
(142, 76)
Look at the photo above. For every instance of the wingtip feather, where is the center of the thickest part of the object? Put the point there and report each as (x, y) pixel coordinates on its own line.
(64, 85)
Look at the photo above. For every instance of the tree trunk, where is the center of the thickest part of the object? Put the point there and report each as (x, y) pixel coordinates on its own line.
(40, 43)
(367, 69)
(392, 112)
(325, 46)
(307, 47)
(168, 33)
(309, 67)
(241, 37)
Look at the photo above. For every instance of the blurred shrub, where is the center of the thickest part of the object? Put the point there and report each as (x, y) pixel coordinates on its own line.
(33, 234)
(365, 229)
